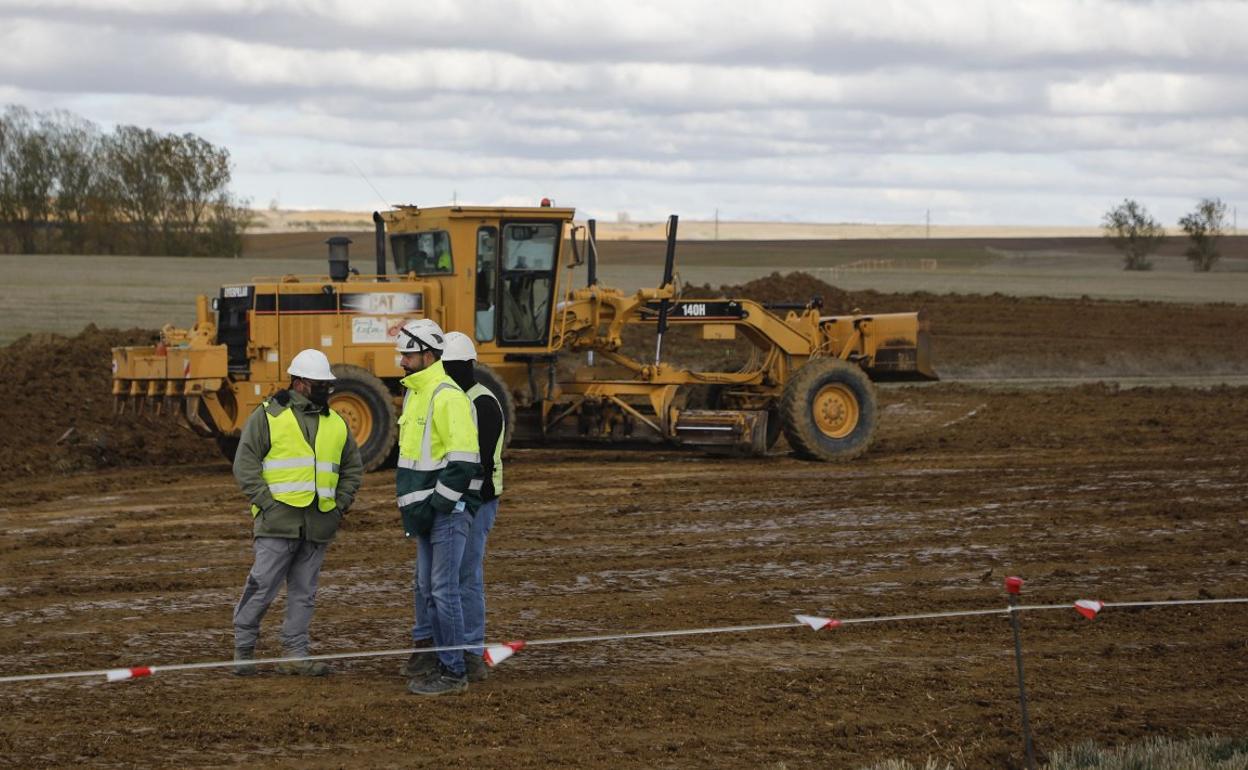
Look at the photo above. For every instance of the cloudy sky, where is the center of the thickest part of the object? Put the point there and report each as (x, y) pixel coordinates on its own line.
(981, 111)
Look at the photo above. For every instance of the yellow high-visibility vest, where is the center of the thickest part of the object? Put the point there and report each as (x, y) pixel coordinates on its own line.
(295, 472)
(497, 476)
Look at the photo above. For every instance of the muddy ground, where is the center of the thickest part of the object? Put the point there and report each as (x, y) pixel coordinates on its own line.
(114, 557)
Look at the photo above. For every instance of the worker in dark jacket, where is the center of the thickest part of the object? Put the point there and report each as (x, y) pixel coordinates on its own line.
(300, 467)
(459, 358)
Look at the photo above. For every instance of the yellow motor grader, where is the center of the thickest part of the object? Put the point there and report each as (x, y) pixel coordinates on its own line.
(555, 355)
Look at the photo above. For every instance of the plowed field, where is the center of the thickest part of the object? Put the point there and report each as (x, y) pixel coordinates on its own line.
(123, 545)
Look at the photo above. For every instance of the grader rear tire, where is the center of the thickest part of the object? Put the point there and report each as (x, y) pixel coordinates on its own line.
(829, 410)
(368, 409)
(490, 379)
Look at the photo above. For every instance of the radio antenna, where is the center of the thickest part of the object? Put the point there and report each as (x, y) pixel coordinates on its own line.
(380, 197)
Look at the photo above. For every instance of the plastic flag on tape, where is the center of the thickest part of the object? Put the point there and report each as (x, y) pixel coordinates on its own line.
(497, 653)
(817, 623)
(122, 674)
(1088, 607)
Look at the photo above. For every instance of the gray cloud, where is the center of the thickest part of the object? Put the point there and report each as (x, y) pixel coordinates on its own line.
(801, 110)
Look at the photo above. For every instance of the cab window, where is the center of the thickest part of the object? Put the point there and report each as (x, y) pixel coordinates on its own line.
(422, 253)
(527, 281)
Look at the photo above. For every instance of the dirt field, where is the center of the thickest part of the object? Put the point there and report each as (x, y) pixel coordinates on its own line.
(114, 557)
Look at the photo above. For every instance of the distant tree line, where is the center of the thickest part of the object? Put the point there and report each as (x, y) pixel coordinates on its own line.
(68, 187)
(1135, 233)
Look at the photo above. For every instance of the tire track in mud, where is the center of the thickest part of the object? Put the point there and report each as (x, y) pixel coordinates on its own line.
(1084, 491)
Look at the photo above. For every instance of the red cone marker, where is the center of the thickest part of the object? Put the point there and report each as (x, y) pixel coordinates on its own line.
(497, 653)
(1088, 607)
(817, 623)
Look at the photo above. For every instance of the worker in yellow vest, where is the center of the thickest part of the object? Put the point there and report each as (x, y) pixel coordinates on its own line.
(299, 466)
(460, 359)
(438, 460)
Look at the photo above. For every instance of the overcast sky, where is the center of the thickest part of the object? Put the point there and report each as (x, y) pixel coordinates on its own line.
(983, 111)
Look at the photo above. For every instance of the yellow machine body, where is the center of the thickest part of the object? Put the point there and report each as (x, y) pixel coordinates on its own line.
(502, 275)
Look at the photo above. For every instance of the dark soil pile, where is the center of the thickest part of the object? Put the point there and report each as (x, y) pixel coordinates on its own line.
(57, 402)
(797, 287)
(997, 335)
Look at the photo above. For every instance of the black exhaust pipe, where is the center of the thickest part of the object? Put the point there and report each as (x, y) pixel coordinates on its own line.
(592, 253)
(379, 226)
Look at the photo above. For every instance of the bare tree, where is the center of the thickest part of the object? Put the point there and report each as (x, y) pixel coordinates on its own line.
(63, 184)
(1205, 226)
(139, 184)
(26, 178)
(199, 173)
(227, 220)
(1130, 228)
(77, 202)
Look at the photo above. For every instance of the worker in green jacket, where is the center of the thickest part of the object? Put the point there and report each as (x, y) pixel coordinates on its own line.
(300, 467)
(438, 460)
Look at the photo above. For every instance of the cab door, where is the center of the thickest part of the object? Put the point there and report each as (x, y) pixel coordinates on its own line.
(526, 282)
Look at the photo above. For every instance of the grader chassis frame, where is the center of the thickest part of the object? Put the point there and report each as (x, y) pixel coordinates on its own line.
(498, 272)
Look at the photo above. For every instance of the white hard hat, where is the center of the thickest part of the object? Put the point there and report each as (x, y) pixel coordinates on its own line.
(418, 336)
(459, 348)
(311, 364)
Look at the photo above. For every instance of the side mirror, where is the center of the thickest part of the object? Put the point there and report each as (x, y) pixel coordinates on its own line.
(576, 259)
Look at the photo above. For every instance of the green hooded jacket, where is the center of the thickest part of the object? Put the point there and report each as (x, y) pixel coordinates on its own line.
(277, 519)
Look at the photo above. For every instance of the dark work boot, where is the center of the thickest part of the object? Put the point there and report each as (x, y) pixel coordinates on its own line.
(475, 665)
(443, 682)
(303, 667)
(420, 665)
(245, 669)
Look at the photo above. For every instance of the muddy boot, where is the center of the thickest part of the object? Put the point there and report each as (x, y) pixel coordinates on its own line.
(443, 682)
(245, 669)
(475, 665)
(303, 667)
(420, 665)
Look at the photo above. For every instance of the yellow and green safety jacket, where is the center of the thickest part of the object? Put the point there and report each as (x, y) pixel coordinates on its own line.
(496, 475)
(438, 453)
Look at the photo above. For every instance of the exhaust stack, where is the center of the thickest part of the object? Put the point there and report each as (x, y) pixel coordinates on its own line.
(339, 263)
(379, 227)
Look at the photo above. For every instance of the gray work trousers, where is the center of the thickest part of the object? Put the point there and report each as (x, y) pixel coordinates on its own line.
(297, 563)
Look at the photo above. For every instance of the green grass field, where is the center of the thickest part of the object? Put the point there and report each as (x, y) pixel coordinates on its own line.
(62, 294)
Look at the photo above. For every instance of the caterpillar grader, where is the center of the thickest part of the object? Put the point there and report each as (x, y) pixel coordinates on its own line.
(554, 354)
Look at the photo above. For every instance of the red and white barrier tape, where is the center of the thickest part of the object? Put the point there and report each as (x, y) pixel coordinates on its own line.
(497, 653)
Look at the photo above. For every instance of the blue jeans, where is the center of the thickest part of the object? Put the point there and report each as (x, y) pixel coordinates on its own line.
(472, 576)
(439, 612)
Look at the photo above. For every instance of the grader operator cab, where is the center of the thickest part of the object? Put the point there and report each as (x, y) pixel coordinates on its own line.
(502, 275)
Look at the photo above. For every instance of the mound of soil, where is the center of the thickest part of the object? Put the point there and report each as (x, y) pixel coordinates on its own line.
(797, 287)
(997, 335)
(57, 407)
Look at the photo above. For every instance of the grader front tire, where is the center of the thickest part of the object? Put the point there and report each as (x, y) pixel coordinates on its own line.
(368, 409)
(829, 410)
